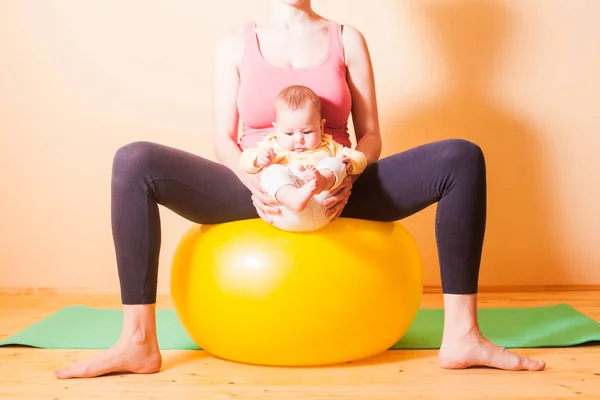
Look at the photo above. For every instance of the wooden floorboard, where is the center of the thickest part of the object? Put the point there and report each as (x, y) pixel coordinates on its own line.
(27, 373)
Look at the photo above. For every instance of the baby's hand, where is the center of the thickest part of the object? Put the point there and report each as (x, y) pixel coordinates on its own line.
(265, 157)
(346, 160)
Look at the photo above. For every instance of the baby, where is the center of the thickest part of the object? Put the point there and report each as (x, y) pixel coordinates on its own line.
(300, 164)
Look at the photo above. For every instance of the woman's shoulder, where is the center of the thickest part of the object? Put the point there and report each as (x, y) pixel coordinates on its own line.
(352, 36)
(353, 41)
(351, 32)
(231, 41)
(232, 36)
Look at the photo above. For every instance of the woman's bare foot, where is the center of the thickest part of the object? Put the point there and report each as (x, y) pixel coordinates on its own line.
(464, 346)
(296, 198)
(136, 351)
(139, 357)
(473, 349)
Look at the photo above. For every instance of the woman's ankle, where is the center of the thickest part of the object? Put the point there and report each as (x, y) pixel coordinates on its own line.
(139, 323)
(460, 315)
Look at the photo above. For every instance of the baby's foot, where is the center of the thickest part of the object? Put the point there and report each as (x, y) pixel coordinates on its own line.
(297, 198)
(321, 182)
(308, 173)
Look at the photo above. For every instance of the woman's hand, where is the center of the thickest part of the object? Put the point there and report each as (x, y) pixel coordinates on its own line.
(334, 205)
(265, 204)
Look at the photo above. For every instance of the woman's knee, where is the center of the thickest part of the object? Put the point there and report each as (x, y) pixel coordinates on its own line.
(132, 161)
(460, 153)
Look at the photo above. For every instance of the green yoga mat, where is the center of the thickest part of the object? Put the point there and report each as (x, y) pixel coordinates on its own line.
(560, 325)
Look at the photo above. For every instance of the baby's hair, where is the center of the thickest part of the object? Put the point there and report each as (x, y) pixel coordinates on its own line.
(296, 97)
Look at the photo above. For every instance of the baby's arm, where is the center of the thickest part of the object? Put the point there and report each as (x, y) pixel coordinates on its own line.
(253, 160)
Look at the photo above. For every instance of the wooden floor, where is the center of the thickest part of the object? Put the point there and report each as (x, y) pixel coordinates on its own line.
(28, 373)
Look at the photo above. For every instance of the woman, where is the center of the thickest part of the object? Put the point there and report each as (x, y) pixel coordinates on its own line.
(254, 63)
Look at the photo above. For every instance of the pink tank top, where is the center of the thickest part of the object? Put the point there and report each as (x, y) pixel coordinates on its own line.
(261, 82)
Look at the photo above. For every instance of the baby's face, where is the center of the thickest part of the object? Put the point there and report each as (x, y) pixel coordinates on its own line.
(299, 130)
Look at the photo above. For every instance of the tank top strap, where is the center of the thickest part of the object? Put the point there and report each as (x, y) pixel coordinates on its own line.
(336, 43)
(250, 52)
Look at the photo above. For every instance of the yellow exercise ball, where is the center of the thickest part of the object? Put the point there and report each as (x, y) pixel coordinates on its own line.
(248, 292)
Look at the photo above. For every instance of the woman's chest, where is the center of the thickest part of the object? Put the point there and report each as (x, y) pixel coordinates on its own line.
(293, 49)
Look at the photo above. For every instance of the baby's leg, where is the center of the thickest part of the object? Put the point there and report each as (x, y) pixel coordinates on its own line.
(333, 165)
(329, 173)
(281, 183)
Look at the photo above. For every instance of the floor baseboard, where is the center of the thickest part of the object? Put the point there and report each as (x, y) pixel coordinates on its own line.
(32, 291)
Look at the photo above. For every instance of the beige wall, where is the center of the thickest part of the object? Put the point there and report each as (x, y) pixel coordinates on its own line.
(80, 78)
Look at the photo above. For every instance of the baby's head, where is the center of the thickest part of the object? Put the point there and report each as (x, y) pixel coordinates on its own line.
(298, 123)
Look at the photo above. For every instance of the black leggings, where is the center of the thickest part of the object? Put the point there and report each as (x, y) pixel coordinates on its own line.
(451, 172)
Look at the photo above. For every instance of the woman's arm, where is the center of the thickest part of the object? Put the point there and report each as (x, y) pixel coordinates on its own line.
(364, 111)
(362, 87)
(225, 90)
(226, 118)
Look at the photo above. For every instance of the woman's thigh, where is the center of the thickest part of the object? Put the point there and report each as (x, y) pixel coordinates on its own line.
(402, 184)
(194, 187)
